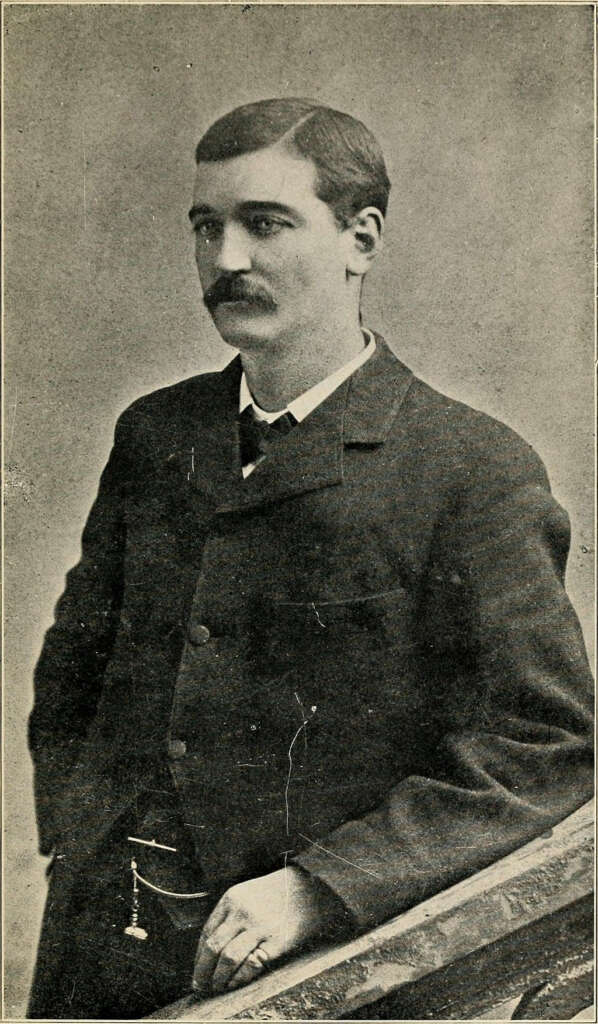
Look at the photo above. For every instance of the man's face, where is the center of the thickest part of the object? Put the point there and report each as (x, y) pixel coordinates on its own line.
(272, 259)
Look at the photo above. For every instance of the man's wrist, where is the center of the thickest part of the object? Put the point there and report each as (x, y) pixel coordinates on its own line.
(328, 910)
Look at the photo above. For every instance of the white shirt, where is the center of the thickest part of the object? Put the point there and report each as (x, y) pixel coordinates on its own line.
(301, 406)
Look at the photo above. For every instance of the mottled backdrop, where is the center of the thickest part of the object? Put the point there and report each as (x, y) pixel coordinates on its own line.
(486, 289)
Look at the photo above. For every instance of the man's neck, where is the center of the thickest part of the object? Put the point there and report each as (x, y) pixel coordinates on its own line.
(278, 374)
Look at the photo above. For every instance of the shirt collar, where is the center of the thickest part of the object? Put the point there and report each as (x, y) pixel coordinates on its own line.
(301, 406)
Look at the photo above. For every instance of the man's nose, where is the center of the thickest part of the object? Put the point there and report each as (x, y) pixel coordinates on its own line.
(233, 253)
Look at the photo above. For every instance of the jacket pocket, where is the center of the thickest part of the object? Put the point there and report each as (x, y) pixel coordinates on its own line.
(357, 647)
(295, 626)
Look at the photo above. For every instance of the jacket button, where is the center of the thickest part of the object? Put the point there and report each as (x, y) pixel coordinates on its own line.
(197, 634)
(176, 749)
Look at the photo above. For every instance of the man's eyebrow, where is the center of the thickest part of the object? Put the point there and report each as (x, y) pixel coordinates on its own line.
(250, 206)
(268, 205)
(199, 210)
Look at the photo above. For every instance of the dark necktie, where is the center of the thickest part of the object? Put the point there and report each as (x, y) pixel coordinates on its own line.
(256, 435)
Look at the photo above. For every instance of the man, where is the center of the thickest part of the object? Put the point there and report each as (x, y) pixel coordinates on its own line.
(316, 662)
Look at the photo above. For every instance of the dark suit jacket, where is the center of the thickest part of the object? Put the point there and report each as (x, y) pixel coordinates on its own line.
(361, 658)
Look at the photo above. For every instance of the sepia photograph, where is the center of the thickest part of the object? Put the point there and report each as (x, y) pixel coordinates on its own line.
(299, 511)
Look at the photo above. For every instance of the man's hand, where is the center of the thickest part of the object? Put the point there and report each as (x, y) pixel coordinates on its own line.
(256, 922)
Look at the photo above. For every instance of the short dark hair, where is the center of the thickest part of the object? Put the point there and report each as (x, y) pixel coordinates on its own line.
(351, 173)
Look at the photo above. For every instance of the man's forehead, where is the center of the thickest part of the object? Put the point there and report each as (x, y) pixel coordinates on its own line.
(273, 174)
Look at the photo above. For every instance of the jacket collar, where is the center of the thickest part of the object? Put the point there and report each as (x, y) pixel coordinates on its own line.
(376, 393)
(360, 411)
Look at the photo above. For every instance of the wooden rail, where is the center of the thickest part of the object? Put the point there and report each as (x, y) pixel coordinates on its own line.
(521, 926)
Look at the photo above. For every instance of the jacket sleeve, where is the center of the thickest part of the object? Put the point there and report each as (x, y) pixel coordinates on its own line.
(504, 650)
(68, 675)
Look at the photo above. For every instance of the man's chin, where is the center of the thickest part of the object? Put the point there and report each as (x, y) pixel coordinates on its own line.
(242, 323)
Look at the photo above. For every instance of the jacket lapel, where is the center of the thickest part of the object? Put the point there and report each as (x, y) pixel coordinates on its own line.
(215, 427)
(310, 457)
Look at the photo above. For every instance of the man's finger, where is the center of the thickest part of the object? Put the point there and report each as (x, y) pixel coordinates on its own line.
(232, 956)
(252, 967)
(208, 951)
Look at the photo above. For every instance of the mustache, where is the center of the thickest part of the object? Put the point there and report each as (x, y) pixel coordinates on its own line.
(237, 289)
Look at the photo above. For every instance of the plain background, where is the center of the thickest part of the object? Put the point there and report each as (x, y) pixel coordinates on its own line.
(486, 116)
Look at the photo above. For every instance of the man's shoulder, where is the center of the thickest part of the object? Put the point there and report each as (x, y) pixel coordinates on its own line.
(463, 437)
(193, 393)
(445, 429)
(452, 418)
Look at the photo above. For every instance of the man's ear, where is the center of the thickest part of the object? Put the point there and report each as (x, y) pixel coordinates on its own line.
(365, 235)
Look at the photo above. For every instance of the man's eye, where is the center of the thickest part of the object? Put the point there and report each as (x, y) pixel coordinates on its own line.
(207, 228)
(263, 225)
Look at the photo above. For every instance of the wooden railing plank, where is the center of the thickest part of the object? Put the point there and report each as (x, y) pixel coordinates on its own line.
(558, 945)
(540, 879)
